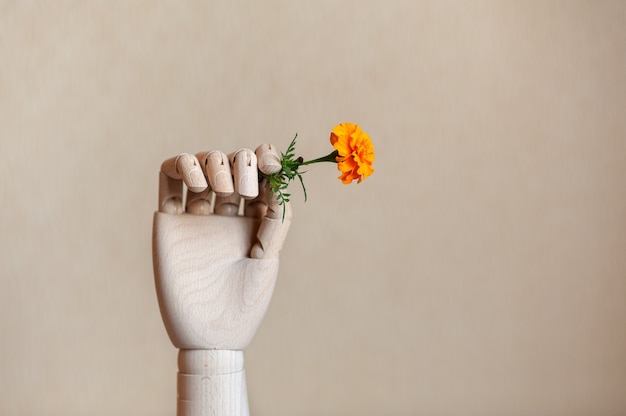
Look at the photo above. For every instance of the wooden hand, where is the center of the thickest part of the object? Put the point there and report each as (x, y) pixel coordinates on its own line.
(215, 269)
(215, 254)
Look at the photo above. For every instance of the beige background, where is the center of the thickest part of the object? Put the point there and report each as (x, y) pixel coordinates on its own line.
(480, 271)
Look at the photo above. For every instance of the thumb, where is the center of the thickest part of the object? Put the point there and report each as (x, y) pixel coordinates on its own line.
(272, 231)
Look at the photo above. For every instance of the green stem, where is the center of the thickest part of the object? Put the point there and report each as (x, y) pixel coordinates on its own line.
(332, 157)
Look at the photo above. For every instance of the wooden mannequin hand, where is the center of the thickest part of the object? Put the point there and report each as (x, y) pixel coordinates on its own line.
(215, 270)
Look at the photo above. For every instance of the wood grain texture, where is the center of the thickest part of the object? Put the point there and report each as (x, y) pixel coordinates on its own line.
(246, 176)
(218, 171)
(211, 382)
(268, 159)
(211, 294)
(212, 298)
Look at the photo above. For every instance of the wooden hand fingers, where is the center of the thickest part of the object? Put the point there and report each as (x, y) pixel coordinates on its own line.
(268, 159)
(217, 183)
(174, 171)
(217, 169)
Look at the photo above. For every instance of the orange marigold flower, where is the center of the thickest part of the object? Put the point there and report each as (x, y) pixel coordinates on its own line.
(356, 152)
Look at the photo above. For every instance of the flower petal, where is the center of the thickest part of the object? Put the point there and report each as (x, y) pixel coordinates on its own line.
(356, 152)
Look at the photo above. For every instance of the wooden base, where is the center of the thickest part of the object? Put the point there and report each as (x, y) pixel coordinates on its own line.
(211, 382)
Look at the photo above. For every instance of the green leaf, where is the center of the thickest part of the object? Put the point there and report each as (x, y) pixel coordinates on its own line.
(303, 187)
